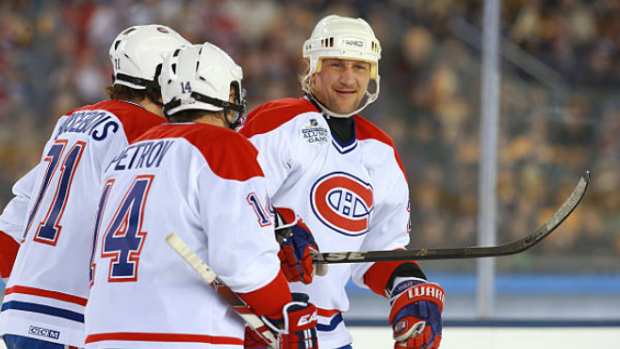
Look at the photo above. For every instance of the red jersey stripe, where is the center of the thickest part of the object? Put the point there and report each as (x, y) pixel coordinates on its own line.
(162, 337)
(327, 312)
(47, 294)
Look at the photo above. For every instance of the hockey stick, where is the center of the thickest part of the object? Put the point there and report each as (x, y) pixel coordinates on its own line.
(466, 252)
(209, 276)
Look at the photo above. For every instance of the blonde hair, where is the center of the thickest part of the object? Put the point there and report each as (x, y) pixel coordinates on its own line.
(304, 76)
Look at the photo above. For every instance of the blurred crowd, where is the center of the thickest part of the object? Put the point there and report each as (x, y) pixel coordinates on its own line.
(53, 58)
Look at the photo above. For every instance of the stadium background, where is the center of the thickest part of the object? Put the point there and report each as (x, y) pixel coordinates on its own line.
(559, 115)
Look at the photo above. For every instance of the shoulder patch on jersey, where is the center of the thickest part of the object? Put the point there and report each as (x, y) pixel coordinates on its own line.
(365, 129)
(229, 154)
(272, 115)
(314, 133)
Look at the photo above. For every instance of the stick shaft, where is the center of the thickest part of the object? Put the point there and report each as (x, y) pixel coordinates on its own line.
(509, 248)
(210, 277)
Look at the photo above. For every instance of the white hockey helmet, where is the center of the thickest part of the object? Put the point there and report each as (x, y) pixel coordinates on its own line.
(343, 38)
(137, 52)
(201, 77)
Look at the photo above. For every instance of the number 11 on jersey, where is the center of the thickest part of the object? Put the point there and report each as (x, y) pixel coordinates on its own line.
(49, 229)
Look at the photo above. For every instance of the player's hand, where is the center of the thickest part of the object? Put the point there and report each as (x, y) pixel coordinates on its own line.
(296, 247)
(252, 340)
(297, 329)
(416, 314)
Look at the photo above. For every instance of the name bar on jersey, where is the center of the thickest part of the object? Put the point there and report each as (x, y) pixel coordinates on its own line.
(89, 121)
(146, 154)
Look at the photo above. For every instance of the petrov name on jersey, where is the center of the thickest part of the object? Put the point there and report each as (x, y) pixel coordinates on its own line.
(145, 154)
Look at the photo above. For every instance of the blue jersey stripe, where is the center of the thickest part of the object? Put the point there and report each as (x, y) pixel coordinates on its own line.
(43, 309)
(332, 324)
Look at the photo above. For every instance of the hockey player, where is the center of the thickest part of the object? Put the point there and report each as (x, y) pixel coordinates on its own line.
(343, 176)
(198, 178)
(54, 211)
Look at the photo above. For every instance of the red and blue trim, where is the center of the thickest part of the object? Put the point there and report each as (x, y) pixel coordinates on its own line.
(45, 309)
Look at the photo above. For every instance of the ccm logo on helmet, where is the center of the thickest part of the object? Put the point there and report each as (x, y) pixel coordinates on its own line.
(163, 30)
(343, 203)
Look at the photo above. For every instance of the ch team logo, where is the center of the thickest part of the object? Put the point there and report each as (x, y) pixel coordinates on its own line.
(343, 203)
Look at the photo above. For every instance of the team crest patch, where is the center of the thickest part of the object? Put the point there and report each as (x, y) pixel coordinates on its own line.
(343, 203)
(314, 133)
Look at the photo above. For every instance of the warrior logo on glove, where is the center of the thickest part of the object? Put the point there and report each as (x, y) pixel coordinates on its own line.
(416, 314)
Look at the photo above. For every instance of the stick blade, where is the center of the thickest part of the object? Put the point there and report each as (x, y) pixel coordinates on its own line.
(570, 204)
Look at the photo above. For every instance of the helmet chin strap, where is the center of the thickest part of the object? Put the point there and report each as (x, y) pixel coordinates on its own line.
(371, 98)
(230, 124)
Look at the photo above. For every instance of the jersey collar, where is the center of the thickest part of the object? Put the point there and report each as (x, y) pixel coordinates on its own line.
(134, 103)
(342, 147)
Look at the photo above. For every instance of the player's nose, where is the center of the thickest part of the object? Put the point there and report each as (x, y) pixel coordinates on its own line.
(347, 78)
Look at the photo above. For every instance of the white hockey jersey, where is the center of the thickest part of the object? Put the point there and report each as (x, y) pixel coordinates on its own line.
(353, 197)
(15, 213)
(49, 285)
(203, 183)
(13, 220)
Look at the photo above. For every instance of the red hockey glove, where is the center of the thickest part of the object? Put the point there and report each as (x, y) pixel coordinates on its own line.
(296, 330)
(253, 340)
(296, 247)
(416, 314)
